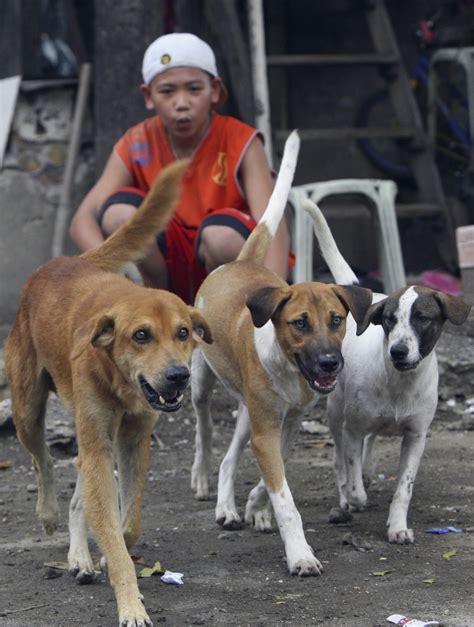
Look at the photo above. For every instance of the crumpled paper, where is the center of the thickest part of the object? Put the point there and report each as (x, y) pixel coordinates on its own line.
(172, 578)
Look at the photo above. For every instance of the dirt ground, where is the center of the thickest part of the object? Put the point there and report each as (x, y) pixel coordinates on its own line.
(240, 577)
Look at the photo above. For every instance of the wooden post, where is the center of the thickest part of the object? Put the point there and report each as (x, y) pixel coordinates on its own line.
(259, 73)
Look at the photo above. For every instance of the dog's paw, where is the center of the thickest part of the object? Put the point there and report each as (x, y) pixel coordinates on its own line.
(357, 502)
(84, 577)
(200, 485)
(228, 519)
(259, 519)
(402, 536)
(49, 519)
(343, 504)
(308, 566)
(82, 570)
(135, 616)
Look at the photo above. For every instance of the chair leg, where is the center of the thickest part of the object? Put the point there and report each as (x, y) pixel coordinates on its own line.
(393, 271)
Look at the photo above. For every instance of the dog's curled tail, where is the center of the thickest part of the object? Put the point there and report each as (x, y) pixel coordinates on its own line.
(338, 266)
(132, 240)
(259, 241)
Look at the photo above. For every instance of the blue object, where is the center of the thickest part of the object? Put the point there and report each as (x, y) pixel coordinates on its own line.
(440, 530)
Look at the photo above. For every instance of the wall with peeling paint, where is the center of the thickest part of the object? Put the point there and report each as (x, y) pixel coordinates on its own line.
(30, 186)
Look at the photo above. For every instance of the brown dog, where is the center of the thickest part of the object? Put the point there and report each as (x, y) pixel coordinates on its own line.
(276, 347)
(117, 354)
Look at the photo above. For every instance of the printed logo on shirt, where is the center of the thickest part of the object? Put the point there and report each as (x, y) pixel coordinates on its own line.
(140, 153)
(219, 170)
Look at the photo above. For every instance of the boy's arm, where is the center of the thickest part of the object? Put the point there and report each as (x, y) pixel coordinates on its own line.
(84, 229)
(258, 186)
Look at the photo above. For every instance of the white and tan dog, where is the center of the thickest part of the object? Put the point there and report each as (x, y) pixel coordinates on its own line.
(275, 348)
(389, 385)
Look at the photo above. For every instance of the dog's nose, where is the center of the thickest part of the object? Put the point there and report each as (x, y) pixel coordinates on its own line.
(399, 351)
(329, 362)
(178, 375)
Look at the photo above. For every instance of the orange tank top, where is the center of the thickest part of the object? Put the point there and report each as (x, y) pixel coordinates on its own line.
(211, 181)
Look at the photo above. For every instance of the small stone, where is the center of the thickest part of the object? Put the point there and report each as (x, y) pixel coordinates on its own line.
(356, 541)
(51, 573)
(29, 163)
(56, 154)
(32, 487)
(338, 516)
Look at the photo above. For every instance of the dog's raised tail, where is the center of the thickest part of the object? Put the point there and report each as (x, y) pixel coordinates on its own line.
(259, 241)
(338, 266)
(132, 240)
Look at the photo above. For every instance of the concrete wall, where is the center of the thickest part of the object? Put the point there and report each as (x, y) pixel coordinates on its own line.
(30, 186)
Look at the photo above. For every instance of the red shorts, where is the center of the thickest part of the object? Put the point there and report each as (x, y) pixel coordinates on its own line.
(179, 243)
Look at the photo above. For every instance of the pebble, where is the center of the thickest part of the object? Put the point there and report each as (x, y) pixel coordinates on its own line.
(32, 487)
(52, 573)
(338, 516)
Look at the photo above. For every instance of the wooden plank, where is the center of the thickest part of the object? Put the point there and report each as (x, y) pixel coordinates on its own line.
(331, 59)
(47, 83)
(418, 210)
(353, 133)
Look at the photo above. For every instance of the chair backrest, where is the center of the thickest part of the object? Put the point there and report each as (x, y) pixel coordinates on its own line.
(381, 194)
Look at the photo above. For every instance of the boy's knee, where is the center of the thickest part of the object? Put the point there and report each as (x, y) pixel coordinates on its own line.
(115, 216)
(218, 245)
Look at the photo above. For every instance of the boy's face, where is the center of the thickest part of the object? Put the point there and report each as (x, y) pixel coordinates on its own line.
(183, 98)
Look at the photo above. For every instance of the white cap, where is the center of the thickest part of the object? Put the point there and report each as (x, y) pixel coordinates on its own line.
(177, 50)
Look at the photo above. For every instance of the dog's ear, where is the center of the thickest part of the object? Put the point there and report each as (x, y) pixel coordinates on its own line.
(98, 331)
(264, 303)
(355, 299)
(373, 316)
(201, 330)
(453, 308)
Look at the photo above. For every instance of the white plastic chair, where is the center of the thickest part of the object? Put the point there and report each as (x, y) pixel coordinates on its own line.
(381, 194)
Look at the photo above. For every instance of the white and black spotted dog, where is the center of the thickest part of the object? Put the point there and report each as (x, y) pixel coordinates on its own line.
(389, 384)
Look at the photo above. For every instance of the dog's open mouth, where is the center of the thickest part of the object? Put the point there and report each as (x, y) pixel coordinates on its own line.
(321, 382)
(159, 402)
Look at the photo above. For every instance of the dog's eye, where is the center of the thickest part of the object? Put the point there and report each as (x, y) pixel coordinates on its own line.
(300, 324)
(390, 319)
(336, 320)
(183, 334)
(421, 317)
(142, 336)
